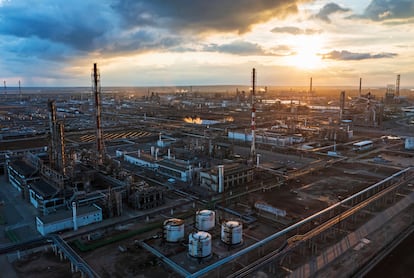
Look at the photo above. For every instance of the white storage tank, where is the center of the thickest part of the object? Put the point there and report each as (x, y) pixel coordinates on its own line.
(173, 230)
(199, 244)
(231, 232)
(205, 220)
(409, 143)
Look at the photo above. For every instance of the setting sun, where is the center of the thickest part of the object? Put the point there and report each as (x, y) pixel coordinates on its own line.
(307, 49)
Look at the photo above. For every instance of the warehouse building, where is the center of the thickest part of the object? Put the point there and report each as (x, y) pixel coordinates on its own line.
(63, 220)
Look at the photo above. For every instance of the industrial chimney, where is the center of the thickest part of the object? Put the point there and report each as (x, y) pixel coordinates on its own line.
(397, 86)
(220, 178)
(341, 105)
(96, 83)
(253, 126)
(74, 215)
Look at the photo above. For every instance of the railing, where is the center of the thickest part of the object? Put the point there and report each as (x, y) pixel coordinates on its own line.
(372, 190)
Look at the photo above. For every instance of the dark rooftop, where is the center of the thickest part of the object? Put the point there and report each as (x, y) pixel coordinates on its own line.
(44, 188)
(23, 168)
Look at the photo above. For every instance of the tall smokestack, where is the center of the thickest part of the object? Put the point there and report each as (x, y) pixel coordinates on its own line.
(397, 86)
(5, 89)
(20, 91)
(99, 134)
(360, 86)
(53, 154)
(310, 87)
(253, 146)
(62, 158)
(74, 217)
(220, 178)
(341, 104)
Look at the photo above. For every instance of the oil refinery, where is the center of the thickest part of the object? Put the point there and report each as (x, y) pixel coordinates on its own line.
(230, 181)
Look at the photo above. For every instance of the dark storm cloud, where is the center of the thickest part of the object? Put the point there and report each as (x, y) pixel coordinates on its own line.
(329, 9)
(386, 9)
(54, 21)
(202, 15)
(347, 55)
(237, 47)
(58, 30)
(37, 48)
(140, 40)
(114, 26)
(295, 30)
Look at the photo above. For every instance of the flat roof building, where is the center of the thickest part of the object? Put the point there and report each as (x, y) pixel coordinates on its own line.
(63, 220)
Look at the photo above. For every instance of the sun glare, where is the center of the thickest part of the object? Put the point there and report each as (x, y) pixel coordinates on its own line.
(307, 49)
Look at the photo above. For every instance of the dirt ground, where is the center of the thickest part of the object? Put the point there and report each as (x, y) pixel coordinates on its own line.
(43, 264)
(313, 192)
(134, 262)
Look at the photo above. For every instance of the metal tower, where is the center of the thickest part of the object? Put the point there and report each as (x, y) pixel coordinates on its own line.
(20, 91)
(341, 105)
(253, 146)
(53, 154)
(397, 86)
(5, 89)
(96, 84)
(360, 86)
(61, 148)
(310, 88)
(57, 157)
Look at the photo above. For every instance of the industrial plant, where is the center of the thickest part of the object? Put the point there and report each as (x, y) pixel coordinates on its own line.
(219, 181)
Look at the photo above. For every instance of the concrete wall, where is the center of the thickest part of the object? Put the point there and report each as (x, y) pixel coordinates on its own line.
(66, 222)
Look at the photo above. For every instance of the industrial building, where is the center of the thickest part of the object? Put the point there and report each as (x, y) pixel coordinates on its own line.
(21, 173)
(225, 177)
(212, 184)
(65, 220)
(91, 178)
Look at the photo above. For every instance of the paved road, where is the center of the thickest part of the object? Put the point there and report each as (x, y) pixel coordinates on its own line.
(399, 263)
(19, 217)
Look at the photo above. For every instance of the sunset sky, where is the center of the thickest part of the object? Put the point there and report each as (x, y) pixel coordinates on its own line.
(200, 42)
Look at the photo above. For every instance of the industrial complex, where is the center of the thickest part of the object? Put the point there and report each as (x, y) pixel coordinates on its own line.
(225, 181)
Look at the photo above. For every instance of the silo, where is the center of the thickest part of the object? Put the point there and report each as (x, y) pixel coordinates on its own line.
(199, 244)
(205, 220)
(231, 232)
(173, 230)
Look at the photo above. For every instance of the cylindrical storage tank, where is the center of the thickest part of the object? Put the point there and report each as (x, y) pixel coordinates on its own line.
(409, 143)
(205, 220)
(173, 230)
(231, 232)
(199, 244)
